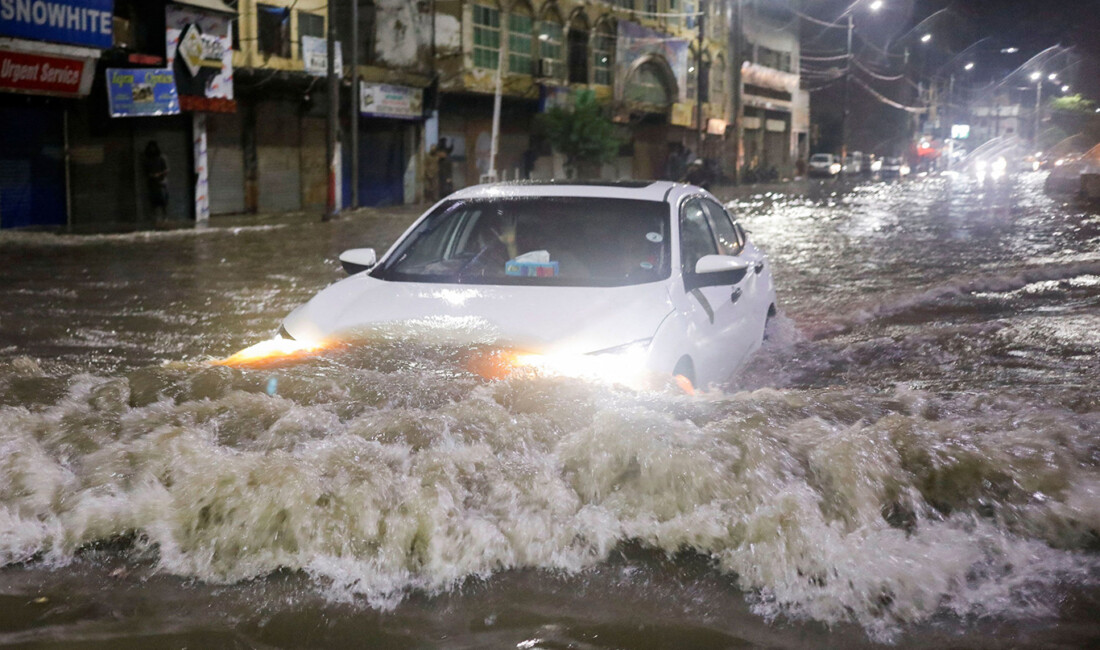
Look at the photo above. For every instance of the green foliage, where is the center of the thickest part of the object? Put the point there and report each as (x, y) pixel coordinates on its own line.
(583, 133)
(1073, 104)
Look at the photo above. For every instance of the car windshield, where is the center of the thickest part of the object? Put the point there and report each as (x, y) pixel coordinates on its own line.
(557, 241)
(821, 157)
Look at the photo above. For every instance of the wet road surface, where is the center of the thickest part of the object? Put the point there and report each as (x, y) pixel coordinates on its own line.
(912, 458)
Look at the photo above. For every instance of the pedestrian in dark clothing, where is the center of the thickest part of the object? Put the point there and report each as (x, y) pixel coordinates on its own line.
(156, 176)
(446, 180)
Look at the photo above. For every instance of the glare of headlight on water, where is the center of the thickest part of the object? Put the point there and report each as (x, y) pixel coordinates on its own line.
(272, 350)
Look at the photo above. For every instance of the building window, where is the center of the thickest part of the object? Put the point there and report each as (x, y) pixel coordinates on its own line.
(674, 8)
(520, 27)
(689, 8)
(551, 46)
(366, 32)
(625, 4)
(274, 28)
(718, 80)
(486, 37)
(604, 53)
(309, 25)
(578, 49)
(651, 9)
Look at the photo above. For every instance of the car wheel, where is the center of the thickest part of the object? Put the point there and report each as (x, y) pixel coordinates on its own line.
(685, 369)
(772, 311)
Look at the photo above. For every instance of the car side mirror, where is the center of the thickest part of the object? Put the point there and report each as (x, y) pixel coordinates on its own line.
(720, 263)
(356, 260)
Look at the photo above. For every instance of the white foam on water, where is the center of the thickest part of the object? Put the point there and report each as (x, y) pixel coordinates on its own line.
(832, 505)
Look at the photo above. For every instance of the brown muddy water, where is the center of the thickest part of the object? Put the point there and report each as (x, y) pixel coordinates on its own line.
(912, 459)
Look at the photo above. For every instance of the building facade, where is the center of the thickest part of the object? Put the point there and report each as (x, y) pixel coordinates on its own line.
(234, 94)
(775, 110)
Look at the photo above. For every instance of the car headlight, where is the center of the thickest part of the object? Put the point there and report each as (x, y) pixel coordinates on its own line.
(623, 364)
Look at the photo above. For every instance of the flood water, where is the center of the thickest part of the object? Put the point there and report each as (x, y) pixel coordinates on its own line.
(913, 458)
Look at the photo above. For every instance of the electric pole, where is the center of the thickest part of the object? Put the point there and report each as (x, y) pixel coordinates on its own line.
(699, 81)
(353, 112)
(332, 121)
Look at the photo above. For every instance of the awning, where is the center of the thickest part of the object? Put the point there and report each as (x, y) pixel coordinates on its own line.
(209, 5)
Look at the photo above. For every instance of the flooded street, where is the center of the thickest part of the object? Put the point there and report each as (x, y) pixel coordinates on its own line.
(913, 458)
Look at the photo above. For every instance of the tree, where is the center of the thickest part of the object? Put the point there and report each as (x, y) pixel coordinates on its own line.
(583, 133)
(1074, 114)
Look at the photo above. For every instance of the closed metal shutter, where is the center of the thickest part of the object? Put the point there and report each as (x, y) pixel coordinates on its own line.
(32, 167)
(225, 157)
(314, 169)
(278, 140)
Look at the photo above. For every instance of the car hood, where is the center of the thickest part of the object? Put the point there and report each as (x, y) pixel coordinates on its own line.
(573, 319)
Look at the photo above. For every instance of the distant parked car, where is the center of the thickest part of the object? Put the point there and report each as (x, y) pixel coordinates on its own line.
(824, 164)
(853, 164)
(894, 168)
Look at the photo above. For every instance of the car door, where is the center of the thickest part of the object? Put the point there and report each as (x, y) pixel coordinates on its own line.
(715, 341)
(755, 299)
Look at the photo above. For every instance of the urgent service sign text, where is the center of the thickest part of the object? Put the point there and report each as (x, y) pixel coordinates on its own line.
(76, 22)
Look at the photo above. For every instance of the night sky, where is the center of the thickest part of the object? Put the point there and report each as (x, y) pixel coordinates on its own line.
(962, 31)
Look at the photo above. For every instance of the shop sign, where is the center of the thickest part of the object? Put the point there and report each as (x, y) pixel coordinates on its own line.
(757, 75)
(141, 92)
(41, 74)
(200, 55)
(384, 100)
(76, 22)
(716, 126)
(683, 114)
(315, 56)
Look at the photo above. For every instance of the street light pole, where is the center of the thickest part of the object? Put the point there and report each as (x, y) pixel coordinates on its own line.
(847, 93)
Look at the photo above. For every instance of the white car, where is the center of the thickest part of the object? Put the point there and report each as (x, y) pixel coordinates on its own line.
(621, 279)
(824, 164)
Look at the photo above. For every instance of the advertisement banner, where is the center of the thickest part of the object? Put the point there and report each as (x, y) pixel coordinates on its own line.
(39, 74)
(200, 55)
(141, 92)
(315, 56)
(384, 100)
(75, 22)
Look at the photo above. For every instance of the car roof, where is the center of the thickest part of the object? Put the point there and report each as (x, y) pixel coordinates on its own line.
(661, 191)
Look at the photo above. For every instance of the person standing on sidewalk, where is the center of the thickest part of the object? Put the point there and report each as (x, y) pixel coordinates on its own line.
(156, 177)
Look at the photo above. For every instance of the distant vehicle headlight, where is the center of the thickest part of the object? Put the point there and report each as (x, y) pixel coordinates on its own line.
(997, 169)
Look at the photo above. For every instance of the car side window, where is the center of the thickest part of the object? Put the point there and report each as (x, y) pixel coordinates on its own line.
(728, 237)
(696, 239)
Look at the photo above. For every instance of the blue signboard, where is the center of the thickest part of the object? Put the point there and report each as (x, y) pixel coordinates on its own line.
(77, 22)
(142, 91)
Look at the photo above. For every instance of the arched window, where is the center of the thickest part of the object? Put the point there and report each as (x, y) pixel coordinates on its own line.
(486, 36)
(718, 79)
(578, 49)
(551, 44)
(521, 26)
(650, 84)
(604, 52)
